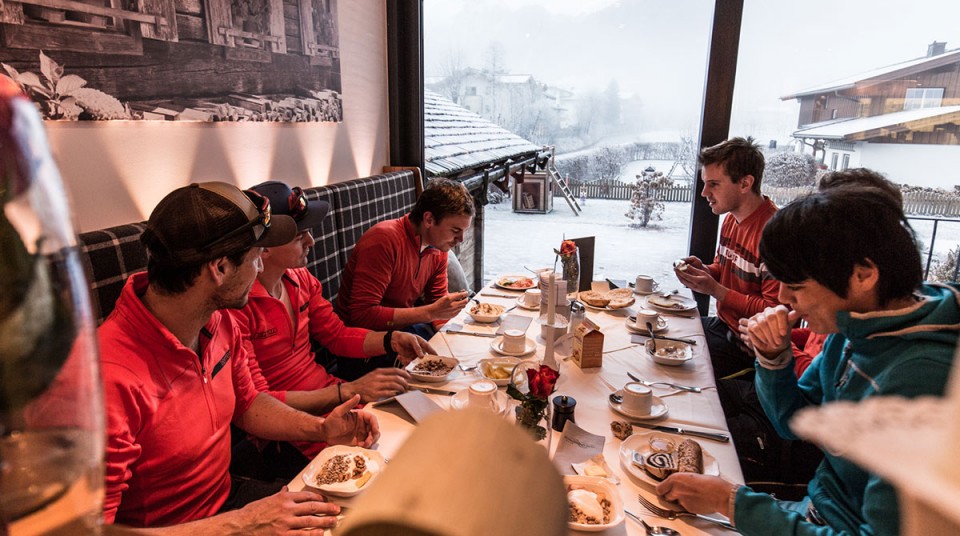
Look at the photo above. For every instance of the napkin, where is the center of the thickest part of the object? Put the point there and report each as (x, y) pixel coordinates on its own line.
(416, 405)
(576, 447)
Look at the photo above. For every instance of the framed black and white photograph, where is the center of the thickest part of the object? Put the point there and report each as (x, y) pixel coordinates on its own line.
(175, 60)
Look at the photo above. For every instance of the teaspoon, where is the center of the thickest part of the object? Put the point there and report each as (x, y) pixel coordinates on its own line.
(652, 531)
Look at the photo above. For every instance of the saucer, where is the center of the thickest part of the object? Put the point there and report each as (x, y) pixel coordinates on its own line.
(661, 325)
(497, 346)
(657, 408)
(521, 304)
(461, 400)
(654, 290)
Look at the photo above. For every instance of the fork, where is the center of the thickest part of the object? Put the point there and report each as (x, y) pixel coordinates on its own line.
(688, 388)
(469, 368)
(673, 514)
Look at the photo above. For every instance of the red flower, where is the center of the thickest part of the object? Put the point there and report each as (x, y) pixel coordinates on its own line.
(568, 247)
(543, 381)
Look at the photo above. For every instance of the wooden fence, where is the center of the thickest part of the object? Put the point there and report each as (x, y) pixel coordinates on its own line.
(914, 203)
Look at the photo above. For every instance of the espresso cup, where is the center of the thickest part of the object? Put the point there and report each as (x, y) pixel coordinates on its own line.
(647, 315)
(637, 398)
(514, 341)
(645, 283)
(531, 297)
(481, 394)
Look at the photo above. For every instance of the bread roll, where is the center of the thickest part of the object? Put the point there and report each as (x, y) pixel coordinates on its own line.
(689, 457)
(594, 298)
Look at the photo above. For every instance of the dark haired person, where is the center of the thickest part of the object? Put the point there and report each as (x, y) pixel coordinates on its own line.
(287, 312)
(737, 279)
(396, 278)
(175, 377)
(891, 335)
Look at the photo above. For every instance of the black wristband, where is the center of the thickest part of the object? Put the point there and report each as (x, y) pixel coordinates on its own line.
(339, 395)
(387, 347)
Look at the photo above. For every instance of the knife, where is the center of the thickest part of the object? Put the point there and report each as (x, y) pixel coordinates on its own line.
(474, 333)
(432, 391)
(674, 385)
(493, 295)
(724, 438)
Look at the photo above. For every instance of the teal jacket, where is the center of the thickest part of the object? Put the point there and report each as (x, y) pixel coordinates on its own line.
(906, 352)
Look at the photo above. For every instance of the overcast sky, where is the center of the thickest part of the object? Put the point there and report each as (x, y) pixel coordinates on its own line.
(656, 49)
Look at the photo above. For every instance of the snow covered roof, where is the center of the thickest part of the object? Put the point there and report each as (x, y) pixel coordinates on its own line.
(456, 139)
(839, 129)
(514, 78)
(881, 74)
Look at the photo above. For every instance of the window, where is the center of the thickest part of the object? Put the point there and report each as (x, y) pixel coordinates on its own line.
(923, 97)
(846, 162)
(833, 160)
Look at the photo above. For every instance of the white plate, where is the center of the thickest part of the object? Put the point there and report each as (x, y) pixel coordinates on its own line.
(375, 464)
(521, 304)
(431, 378)
(682, 303)
(596, 484)
(661, 325)
(533, 282)
(640, 442)
(657, 408)
(506, 363)
(686, 353)
(462, 399)
(529, 346)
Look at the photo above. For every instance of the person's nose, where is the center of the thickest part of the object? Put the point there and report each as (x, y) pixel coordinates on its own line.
(785, 295)
(258, 264)
(308, 239)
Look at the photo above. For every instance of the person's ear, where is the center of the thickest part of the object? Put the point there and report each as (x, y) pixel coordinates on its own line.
(865, 277)
(746, 183)
(428, 219)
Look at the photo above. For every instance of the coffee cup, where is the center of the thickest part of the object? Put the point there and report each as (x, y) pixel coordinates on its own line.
(647, 315)
(482, 394)
(531, 297)
(645, 283)
(514, 341)
(637, 398)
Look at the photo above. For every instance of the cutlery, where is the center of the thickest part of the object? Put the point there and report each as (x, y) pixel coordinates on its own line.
(723, 438)
(473, 333)
(673, 514)
(616, 399)
(675, 339)
(668, 295)
(495, 295)
(432, 391)
(689, 388)
(469, 368)
(651, 531)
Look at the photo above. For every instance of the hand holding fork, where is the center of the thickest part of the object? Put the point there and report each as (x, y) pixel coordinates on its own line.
(673, 514)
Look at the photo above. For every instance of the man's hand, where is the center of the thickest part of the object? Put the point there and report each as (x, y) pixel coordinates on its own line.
(769, 331)
(700, 494)
(448, 306)
(409, 346)
(345, 427)
(379, 383)
(694, 275)
(287, 511)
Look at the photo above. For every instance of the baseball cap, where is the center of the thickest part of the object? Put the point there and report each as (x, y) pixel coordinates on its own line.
(204, 221)
(293, 202)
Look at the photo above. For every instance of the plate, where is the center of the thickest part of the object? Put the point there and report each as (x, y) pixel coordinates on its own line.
(640, 442)
(676, 303)
(503, 364)
(683, 352)
(515, 282)
(521, 304)
(661, 325)
(461, 400)
(495, 312)
(657, 408)
(595, 484)
(529, 346)
(451, 362)
(375, 464)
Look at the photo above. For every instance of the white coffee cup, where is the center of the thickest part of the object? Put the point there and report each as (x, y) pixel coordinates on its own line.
(637, 398)
(647, 315)
(481, 394)
(514, 341)
(645, 283)
(531, 297)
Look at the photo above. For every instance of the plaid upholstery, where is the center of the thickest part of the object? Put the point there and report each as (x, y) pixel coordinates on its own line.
(109, 257)
(324, 258)
(359, 204)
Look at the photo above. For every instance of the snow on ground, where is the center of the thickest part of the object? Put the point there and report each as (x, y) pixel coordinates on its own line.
(514, 240)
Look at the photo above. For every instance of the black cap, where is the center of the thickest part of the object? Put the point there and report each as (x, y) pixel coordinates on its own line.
(293, 203)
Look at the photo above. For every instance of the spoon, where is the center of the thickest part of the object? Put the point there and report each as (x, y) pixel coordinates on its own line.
(616, 399)
(652, 531)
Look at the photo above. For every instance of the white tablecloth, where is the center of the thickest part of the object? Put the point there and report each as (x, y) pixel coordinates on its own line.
(591, 388)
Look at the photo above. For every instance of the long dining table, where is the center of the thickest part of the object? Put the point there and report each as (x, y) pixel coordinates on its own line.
(591, 388)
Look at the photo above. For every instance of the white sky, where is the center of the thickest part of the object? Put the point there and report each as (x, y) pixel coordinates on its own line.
(657, 48)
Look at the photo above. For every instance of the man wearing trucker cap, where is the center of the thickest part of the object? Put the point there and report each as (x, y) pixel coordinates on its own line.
(175, 377)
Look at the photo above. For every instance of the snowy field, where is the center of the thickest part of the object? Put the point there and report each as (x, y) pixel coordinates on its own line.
(517, 240)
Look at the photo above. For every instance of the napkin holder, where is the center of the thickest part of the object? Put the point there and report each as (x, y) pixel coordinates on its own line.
(587, 345)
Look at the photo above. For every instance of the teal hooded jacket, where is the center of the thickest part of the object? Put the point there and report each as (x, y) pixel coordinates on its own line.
(906, 352)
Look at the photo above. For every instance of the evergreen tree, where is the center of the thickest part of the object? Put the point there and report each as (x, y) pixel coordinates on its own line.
(645, 204)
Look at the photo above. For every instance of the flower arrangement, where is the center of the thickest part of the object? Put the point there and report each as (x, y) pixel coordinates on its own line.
(570, 262)
(531, 413)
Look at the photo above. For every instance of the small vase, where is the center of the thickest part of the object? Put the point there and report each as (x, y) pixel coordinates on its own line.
(571, 271)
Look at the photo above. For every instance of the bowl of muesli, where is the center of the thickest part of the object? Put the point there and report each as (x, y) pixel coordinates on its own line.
(343, 471)
(595, 504)
(432, 368)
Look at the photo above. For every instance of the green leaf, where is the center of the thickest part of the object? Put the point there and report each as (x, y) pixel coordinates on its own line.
(69, 83)
(11, 72)
(50, 69)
